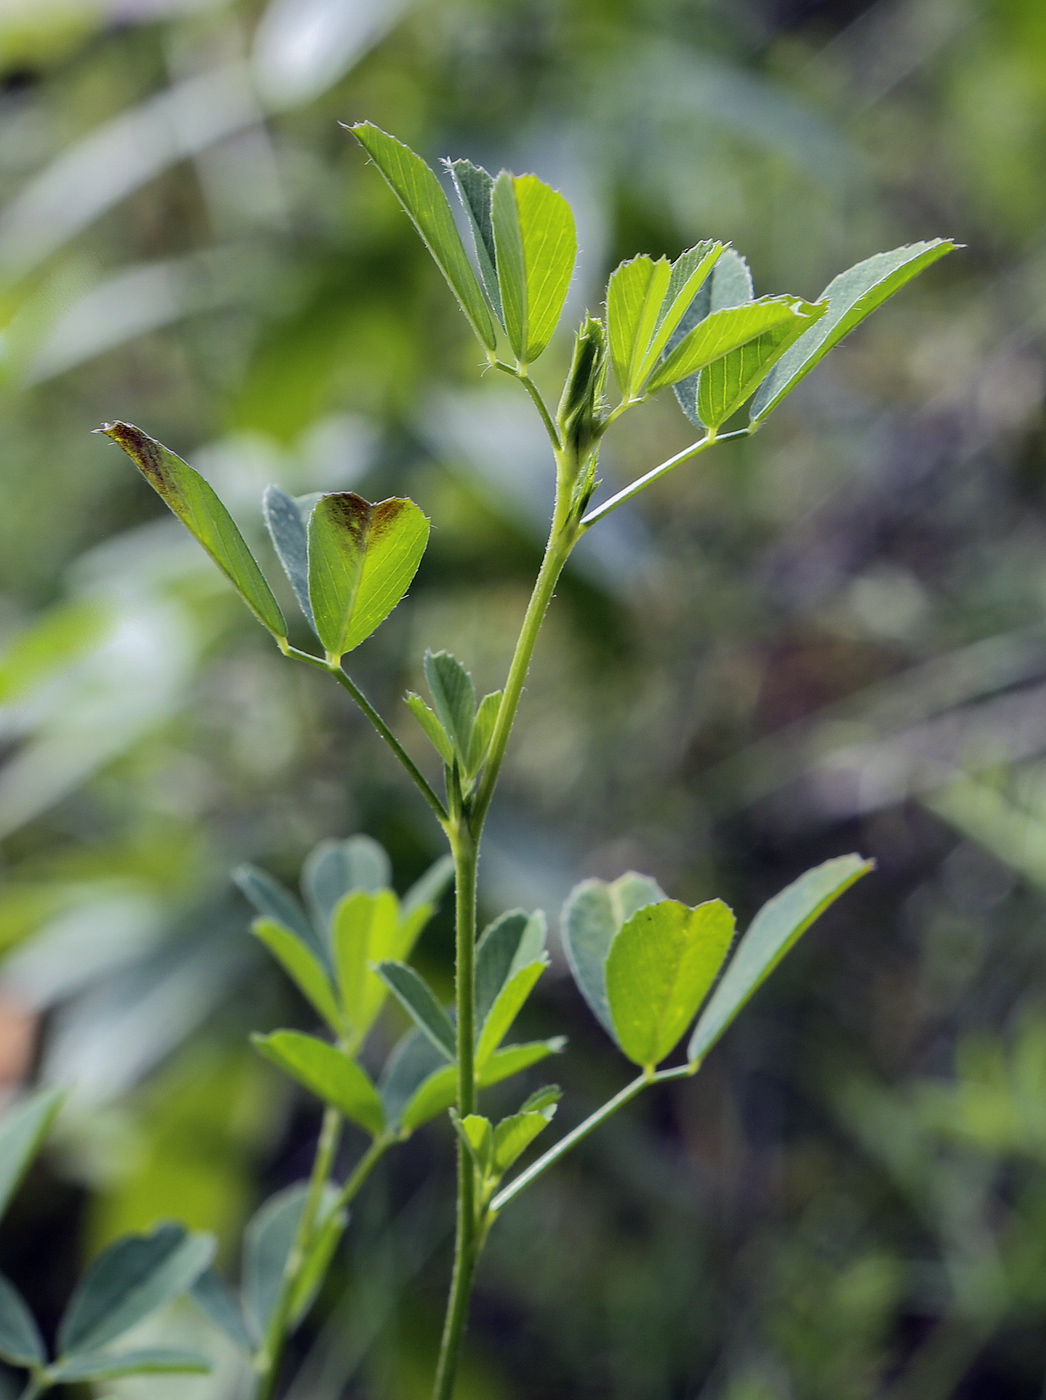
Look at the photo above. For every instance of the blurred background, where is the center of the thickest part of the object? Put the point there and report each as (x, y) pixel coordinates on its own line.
(829, 638)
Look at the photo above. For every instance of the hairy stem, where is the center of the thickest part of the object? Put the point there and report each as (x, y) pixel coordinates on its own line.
(268, 1360)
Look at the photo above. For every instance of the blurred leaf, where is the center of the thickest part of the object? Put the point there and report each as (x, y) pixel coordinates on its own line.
(429, 889)
(196, 505)
(483, 731)
(365, 929)
(453, 699)
(22, 1131)
(477, 1133)
(318, 1255)
(133, 1278)
(20, 1340)
(508, 944)
(774, 930)
(55, 640)
(431, 725)
(288, 527)
(362, 559)
(302, 967)
(334, 869)
(102, 1366)
(592, 915)
(514, 1135)
(267, 1243)
(723, 331)
(476, 191)
(725, 384)
(419, 1001)
(418, 190)
(536, 248)
(659, 969)
(326, 1072)
(851, 297)
(211, 1293)
(507, 1005)
(274, 901)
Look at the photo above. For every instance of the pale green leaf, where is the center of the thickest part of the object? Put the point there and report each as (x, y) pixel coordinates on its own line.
(536, 246)
(288, 527)
(851, 297)
(507, 1005)
(510, 942)
(514, 1135)
(773, 931)
(660, 967)
(334, 869)
(727, 383)
(689, 272)
(195, 504)
(635, 295)
(419, 1001)
(274, 901)
(267, 1243)
(303, 968)
(318, 1254)
(421, 195)
(453, 698)
(326, 1072)
(213, 1295)
(363, 929)
(475, 189)
(133, 1278)
(22, 1130)
(592, 915)
(20, 1340)
(477, 1133)
(723, 331)
(362, 559)
(482, 731)
(431, 725)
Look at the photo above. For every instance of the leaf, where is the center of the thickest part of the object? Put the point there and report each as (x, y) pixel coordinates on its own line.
(483, 731)
(318, 1255)
(53, 641)
(326, 1072)
(421, 195)
(774, 930)
(22, 1131)
(362, 559)
(689, 271)
(213, 1295)
(20, 1340)
(453, 699)
(728, 284)
(274, 901)
(536, 246)
(477, 1133)
(302, 967)
(288, 527)
(196, 505)
(103, 1366)
(437, 734)
(514, 1135)
(133, 1278)
(475, 189)
(509, 943)
(723, 331)
(364, 930)
(429, 889)
(419, 1001)
(336, 868)
(413, 1060)
(507, 1006)
(591, 917)
(659, 969)
(267, 1243)
(725, 384)
(851, 297)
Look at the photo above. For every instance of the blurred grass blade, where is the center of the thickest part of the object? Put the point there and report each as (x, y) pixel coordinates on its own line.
(727, 383)
(362, 558)
(22, 1131)
(851, 297)
(774, 930)
(659, 969)
(536, 247)
(419, 1001)
(196, 505)
(475, 189)
(289, 532)
(302, 967)
(327, 1073)
(723, 331)
(20, 1340)
(145, 1361)
(133, 1278)
(421, 195)
(592, 915)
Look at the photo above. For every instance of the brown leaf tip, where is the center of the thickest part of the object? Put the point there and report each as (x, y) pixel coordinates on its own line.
(138, 445)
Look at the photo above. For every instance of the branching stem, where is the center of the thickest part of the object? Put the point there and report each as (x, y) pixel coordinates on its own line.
(634, 487)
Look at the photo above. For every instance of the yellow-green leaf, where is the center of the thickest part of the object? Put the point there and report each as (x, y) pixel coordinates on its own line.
(326, 1072)
(536, 246)
(724, 331)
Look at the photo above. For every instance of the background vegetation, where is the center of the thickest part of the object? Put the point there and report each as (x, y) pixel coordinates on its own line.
(828, 638)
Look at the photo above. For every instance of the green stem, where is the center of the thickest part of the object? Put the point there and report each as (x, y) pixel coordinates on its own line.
(535, 393)
(634, 487)
(268, 1360)
(466, 1250)
(363, 1169)
(347, 683)
(582, 1130)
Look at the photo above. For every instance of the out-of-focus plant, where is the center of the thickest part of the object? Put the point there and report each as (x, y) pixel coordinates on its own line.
(647, 965)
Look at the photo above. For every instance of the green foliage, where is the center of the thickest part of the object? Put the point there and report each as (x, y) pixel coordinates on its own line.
(420, 1002)
(362, 559)
(459, 729)
(196, 505)
(20, 1339)
(326, 1072)
(536, 247)
(22, 1131)
(592, 918)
